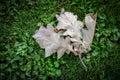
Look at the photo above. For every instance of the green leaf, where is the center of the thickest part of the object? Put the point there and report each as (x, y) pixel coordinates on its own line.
(58, 72)
(14, 65)
(95, 53)
(35, 72)
(102, 16)
(23, 68)
(39, 24)
(30, 49)
(56, 64)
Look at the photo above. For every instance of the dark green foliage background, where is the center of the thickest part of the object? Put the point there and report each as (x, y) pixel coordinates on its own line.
(21, 58)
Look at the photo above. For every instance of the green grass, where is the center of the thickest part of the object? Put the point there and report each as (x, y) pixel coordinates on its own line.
(22, 58)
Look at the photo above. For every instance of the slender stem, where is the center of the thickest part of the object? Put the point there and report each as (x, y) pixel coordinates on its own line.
(82, 61)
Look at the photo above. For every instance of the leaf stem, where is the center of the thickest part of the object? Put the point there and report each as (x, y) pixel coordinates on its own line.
(82, 61)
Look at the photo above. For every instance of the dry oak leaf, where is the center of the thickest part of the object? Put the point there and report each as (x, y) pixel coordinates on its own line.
(73, 27)
(52, 41)
(88, 34)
